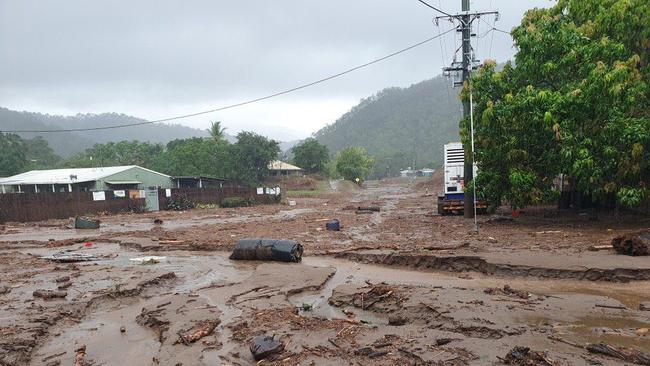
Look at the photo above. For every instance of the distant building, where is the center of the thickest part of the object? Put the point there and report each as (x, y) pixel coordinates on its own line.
(85, 179)
(280, 168)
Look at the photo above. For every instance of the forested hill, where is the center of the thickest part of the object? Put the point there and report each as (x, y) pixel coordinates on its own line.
(408, 124)
(68, 143)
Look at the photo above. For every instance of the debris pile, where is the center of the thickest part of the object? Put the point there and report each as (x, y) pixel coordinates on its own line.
(636, 244)
(85, 223)
(508, 291)
(625, 354)
(523, 356)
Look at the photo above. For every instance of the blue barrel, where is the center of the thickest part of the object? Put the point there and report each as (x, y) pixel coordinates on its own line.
(333, 225)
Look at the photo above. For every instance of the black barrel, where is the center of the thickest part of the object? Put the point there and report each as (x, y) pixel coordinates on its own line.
(267, 250)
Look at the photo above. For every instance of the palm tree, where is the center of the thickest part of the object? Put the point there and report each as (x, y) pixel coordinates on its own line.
(216, 131)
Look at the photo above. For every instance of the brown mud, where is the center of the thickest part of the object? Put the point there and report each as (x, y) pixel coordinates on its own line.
(398, 286)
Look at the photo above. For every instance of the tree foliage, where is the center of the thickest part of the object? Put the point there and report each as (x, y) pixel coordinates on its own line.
(253, 153)
(12, 158)
(118, 153)
(354, 163)
(311, 156)
(216, 131)
(40, 155)
(575, 102)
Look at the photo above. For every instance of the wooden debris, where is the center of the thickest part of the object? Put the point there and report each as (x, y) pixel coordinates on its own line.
(595, 248)
(49, 294)
(200, 330)
(369, 208)
(80, 355)
(625, 354)
(617, 307)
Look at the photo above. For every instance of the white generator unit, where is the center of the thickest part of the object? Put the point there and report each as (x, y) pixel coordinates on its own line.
(452, 200)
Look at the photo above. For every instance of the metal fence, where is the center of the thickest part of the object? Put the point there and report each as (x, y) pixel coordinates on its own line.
(25, 207)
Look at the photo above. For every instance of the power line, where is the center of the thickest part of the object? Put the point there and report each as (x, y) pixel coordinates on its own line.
(434, 8)
(493, 28)
(287, 91)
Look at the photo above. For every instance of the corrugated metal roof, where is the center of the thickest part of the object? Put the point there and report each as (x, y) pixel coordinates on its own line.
(281, 165)
(66, 176)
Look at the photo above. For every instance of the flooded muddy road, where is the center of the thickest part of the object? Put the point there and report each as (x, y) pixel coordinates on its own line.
(401, 286)
(325, 311)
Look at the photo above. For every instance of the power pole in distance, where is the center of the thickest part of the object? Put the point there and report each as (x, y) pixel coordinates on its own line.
(465, 67)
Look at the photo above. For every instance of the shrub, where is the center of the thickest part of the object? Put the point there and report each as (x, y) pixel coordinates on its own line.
(236, 202)
(180, 203)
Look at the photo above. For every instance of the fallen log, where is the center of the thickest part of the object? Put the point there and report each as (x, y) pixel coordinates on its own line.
(369, 208)
(625, 354)
(203, 329)
(49, 294)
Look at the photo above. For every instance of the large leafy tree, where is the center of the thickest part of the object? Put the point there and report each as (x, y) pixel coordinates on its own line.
(40, 155)
(252, 154)
(354, 163)
(575, 103)
(12, 158)
(311, 155)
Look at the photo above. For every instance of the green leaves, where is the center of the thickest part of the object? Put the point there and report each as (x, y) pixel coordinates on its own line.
(576, 103)
(354, 163)
(311, 156)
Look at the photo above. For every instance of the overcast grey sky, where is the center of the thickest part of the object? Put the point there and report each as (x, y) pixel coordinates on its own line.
(158, 58)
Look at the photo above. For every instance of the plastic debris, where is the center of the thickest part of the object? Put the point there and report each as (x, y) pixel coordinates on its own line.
(151, 259)
(268, 250)
(85, 223)
(334, 225)
(263, 346)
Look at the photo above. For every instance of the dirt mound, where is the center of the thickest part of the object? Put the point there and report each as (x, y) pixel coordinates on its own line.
(432, 184)
(305, 183)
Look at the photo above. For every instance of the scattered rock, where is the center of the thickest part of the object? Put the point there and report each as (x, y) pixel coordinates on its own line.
(122, 329)
(63, 279)
(264, 346)
(396, 320)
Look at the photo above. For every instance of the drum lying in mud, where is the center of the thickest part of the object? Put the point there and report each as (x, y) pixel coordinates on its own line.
(267, 250)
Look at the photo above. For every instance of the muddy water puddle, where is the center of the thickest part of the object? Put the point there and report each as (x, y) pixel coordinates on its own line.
(213, 278)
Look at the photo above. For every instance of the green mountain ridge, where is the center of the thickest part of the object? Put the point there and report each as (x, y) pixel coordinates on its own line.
(68, 143)
(413, 123)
